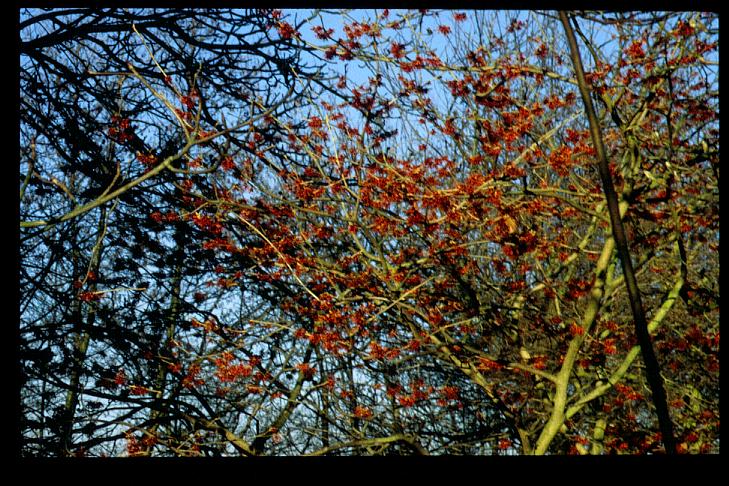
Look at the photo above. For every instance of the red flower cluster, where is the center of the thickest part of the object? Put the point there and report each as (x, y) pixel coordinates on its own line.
(121, 129)
(322, 33)
(169, 217)
(561, 160)
(635, 50)
(207, 223)
(379, 352)
(577, 288)
(362, 412)
(450, 392)
(134, 447)
(357, 30)
(307, 370)
(503, 444)
(406, 400)
(286, 31)
(89, 296)
(683, 29)
(486, 364)
(187, 101)
(120, 378)
(627, 392)
(139, 390)
(576, 329)
(516, 25)
(227, 371)
(191, 379)
(397, 50)
(147, 159)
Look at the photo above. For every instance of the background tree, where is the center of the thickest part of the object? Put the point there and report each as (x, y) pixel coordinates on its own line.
(110, 278)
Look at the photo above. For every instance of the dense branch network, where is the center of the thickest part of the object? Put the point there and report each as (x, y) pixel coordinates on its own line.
(246, 233)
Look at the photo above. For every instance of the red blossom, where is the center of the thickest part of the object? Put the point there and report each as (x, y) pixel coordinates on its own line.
(188, 102)
(635, 50)
(206, 223)
(609, 346)
(539, 362)
(229, 372)
(174, 367)
(362, 412)
(449, 128)
(458, 87)
(503, 444)
(450, 392)
(515, 25)
(486, 364)
(134, 447)
(254, 389)
(147, 159)
(120, 378)
(322, 33)
(89, 296)
(139, 390)
(561, 160)
(314, 122)
(191, 379)
(406, 400)
(121, 129)
(286, 31)
(227, 163)
(553, 102)
(330, 52)
(307, 370)
(627, 392)
(683, 29)
(577, 288)
(692, 437)
(397, 50)
(183, 115)
(576, 329)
